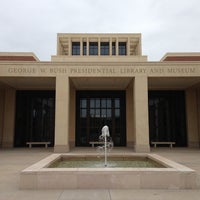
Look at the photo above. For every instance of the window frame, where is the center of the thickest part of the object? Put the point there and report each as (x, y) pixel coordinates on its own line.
(76, 49)
(122, 50)
(104, 48)
(93, 48)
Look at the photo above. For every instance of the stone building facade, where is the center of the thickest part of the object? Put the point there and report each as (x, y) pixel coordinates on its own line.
(96, 80)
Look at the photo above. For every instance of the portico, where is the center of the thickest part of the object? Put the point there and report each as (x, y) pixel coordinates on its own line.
(67, 101)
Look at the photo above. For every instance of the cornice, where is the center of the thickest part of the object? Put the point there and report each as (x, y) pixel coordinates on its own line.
(103, 64)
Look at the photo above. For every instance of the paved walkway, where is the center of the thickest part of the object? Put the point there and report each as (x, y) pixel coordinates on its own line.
(12, 161)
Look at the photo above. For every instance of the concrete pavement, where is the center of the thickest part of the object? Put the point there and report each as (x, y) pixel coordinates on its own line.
(12, 161)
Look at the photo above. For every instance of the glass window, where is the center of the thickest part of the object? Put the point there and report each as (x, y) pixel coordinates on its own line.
(109, 113)
(93, 48)
(104, 48)
(97, 103)
(103, 103)
(92, 103)
(84, 48)
(113, 48)
(117, 103)
(83, 103)
(108, 103)
(75, 48)
(97, 113)
(103, 113)
(117, 112)
(83, 112)
(122, 48)
(92, 112)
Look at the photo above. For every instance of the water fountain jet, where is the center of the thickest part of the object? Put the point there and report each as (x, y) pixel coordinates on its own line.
(107, 143)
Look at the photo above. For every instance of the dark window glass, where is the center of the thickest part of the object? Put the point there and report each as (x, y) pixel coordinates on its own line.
(97, 113)
(93, 48)
(117, 112)
(92, 112)
(103, 113)
(92, 103)
(109, 112)
(83, 103)
(75, 48)
(113, 48)
(103, 103)
(122, 48)
(117, 103)
(35, 111)
(83, 112)
(97, 103)
(108, 103)
(167, 119)
(84, 48)
(96, 109)
(104, 48)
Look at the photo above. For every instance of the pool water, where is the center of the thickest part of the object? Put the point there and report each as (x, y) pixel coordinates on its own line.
(112, 163)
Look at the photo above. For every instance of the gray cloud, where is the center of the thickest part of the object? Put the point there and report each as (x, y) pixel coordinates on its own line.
(166, 26)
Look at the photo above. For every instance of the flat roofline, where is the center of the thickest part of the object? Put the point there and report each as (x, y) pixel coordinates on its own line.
(19, 54)
(180, 54)
(98, 33)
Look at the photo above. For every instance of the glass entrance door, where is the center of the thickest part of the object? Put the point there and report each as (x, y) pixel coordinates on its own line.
(35, 116)
(96, 109)
(167, 117)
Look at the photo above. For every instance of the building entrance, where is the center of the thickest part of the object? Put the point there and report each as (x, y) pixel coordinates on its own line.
(167, 117)
(35, 117)
(94, 109)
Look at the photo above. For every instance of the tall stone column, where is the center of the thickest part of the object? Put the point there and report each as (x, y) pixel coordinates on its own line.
(128, 47)
(69, 47)
(62, 114)
(81, 46)
(140, 117)
(110, 47)
(117, 47)
(99, 47)
(9, 118)
(192, 120)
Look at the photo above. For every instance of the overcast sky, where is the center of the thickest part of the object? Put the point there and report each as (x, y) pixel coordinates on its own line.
(166, 25)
